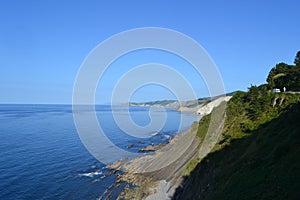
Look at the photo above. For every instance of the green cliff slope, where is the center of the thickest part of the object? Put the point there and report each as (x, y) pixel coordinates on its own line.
(258, 153)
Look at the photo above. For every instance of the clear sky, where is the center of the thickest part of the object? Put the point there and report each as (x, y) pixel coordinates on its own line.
(43, 43)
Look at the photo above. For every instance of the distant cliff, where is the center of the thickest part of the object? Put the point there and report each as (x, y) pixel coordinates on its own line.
(157, 104)
(201, 106)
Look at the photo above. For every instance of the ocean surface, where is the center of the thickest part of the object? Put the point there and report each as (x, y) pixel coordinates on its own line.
(42, 156)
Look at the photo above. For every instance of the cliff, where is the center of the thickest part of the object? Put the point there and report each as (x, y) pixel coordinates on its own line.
(257, 155)
(201, 106)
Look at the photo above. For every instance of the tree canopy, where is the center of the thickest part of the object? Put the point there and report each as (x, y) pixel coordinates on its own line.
(297, 59)
(285, 75)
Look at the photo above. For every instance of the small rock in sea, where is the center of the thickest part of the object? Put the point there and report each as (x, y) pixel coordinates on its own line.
(111, 186)
(148, 148)
(119, 176)
(141, 142)
(119, 181)
(118, 185)
(94, 167)
(117, 164)
(130, 146)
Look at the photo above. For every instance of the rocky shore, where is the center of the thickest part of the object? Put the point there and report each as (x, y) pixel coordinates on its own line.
(157, 175)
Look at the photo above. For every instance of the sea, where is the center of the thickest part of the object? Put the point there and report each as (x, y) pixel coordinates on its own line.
(43, 157)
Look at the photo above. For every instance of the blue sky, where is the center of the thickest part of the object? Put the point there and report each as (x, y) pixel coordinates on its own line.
(43, 43)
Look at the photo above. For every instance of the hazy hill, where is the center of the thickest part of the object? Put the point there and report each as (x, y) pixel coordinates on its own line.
(185, 106)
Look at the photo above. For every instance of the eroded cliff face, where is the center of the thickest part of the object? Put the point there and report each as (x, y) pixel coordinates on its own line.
(204, 108)
(207, 108)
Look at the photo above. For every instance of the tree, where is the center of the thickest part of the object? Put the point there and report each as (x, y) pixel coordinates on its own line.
(270, 79)
(257, 100)
(284, 75)
(287, 77)
(277, 76)
(297, 59)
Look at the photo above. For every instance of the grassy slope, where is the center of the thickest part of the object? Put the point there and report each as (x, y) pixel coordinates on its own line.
(258, 155)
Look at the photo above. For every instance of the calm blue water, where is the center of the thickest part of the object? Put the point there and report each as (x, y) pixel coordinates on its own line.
(42, 156)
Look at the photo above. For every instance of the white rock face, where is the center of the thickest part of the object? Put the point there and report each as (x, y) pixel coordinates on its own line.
(207, 108)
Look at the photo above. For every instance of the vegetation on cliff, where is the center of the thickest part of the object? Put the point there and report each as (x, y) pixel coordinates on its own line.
(258, 153)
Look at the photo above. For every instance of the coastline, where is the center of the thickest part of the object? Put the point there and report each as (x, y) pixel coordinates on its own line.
(158, 175)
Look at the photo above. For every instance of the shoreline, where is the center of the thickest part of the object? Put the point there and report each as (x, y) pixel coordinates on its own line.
(156, 175)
